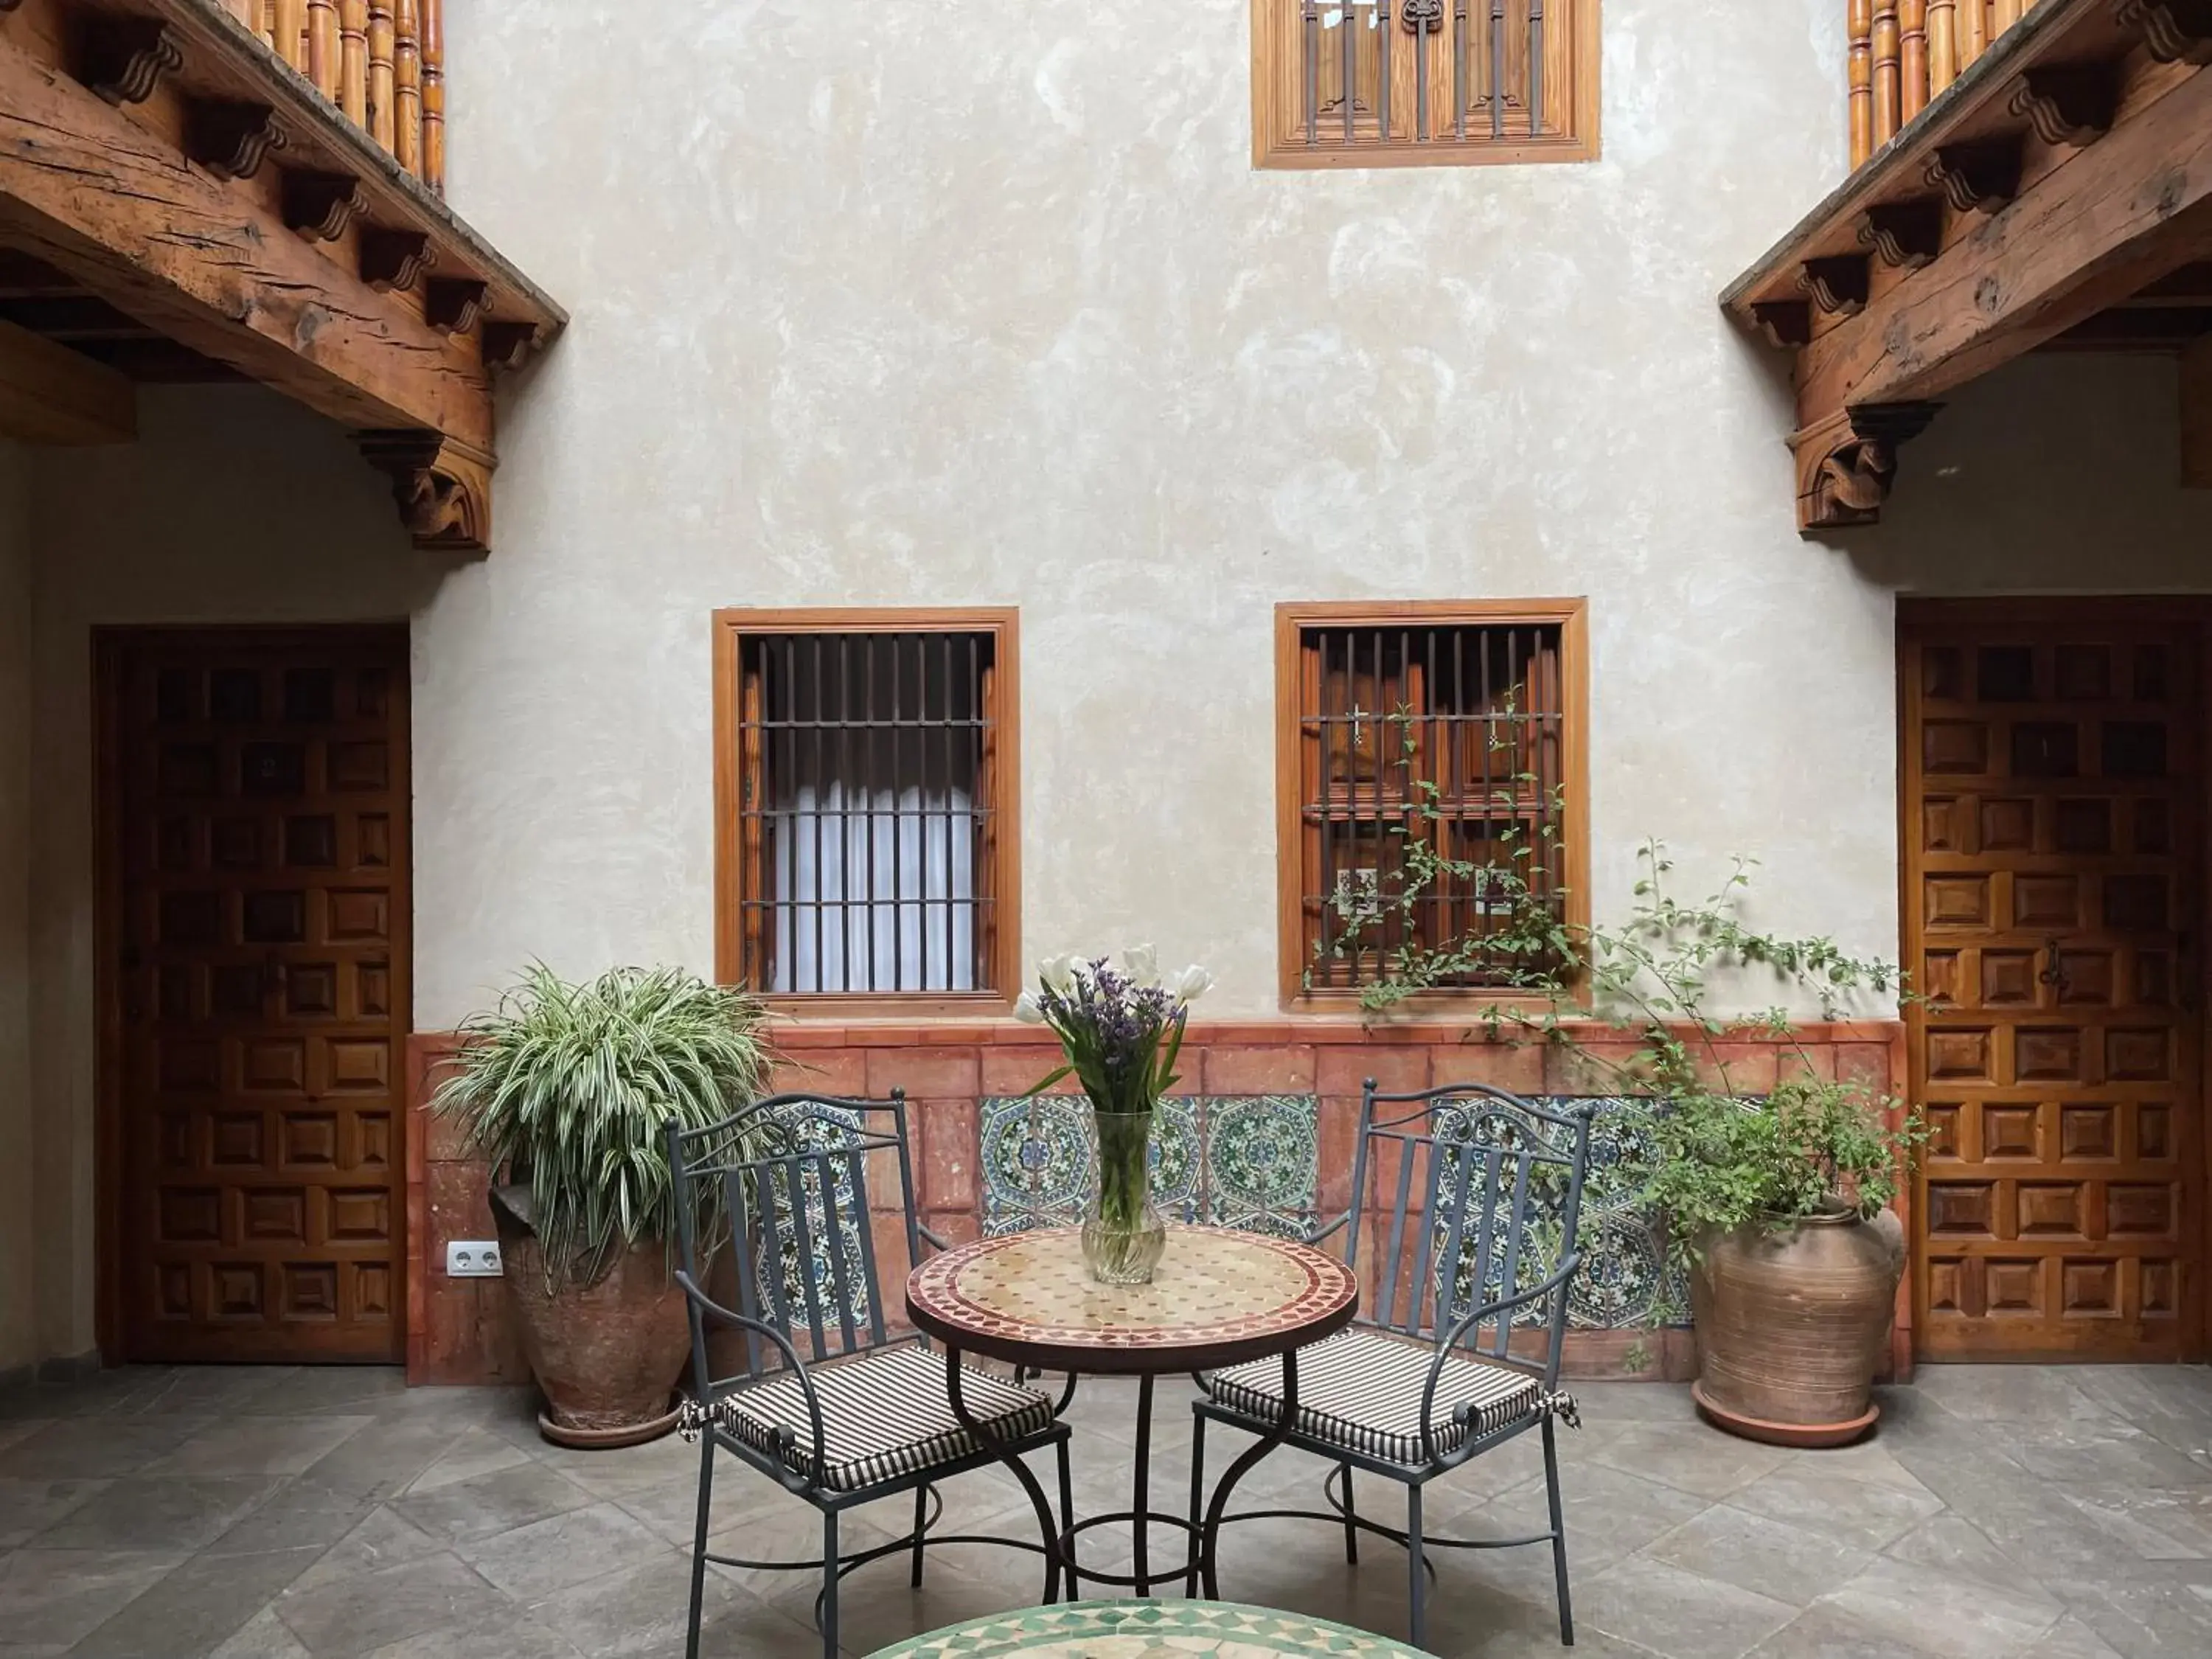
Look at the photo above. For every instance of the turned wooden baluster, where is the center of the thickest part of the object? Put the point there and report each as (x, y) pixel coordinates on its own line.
(1912, 57)
(407, 85)
(434, 94)
(380, 72)
(1942, 45)
(353, 60)
(1861, 80)
(323, 46)
(2004, 13)
(260, 16)
(1973, 30)
(1887, 98)
(287, 31)
(247, 12)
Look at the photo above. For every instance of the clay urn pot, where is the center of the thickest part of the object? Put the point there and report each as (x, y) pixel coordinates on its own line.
(1791, 1323)
(607, 1355)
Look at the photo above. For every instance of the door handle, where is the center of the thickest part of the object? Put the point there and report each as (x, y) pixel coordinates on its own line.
(2052, 973)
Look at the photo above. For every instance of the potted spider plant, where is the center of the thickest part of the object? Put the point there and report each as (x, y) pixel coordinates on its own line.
(567, 1091)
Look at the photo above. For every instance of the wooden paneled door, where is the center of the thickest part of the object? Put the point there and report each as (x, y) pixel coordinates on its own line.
(254, 941)
(2052, 828)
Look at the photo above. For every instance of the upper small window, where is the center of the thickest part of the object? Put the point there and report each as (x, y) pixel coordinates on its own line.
(1431, 793)
(865, 792)
(1440, 82)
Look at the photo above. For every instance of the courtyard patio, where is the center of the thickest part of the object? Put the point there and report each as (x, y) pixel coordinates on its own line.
(272, 1514)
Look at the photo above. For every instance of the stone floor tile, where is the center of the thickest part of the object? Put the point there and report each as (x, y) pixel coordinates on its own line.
(294, 1516)
(2070, 1638)
(260, 1445)
(1684, 1615)
(373, 1468)
(1868, 1515)
(2019, 1394)
(2158, 1525)
(317, 1388)
(473, 1453)
(57, 1595)
(533, 1561)
(492, 1503)
(612, 1473)
(264, 1636)
(504, 1635)
(90, 1447)
(197, 1608)
(351, 1616)
(1953, 1546)
(1826, 1631)
(158, 1512)
(29, 1507)
(92, 1397)
(1689, 1456)
(19, 1428)
(381, 1538)
(1634, 1402)
(641, 1609)
(211, 1390)
(2156, 1617)
(1760, 1553)
(1944, 1615)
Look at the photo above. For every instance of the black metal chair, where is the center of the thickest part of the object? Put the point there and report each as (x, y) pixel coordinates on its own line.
(1480, 1191)
(863, 1414)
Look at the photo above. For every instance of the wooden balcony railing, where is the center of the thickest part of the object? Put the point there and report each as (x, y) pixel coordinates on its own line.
(1905, 52)
(382, 61)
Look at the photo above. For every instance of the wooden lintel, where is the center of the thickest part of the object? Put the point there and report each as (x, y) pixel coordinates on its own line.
(2196, 416)
(2085, 235)
(52, 395)
(93, 192)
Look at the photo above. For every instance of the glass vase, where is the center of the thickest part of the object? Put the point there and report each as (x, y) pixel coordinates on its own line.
(1123, 1235)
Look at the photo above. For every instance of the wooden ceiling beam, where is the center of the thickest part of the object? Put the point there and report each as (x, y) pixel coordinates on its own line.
(92, 193)
(52, 395)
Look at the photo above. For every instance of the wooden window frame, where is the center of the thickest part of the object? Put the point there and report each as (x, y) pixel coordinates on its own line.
(1571, 617)
(732, 625)
(1274, 37)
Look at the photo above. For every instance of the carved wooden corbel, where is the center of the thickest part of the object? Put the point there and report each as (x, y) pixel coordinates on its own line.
(2070, 104)
(1838, 284)
(1786, 323)
(391, 259)
(1977, 177)
(2174, 31)
(450, 304)
(320, 205)
(1907, 235)
(232, 140)
(442, 486)
(1846, 464)
(125, 57)
(508, 346)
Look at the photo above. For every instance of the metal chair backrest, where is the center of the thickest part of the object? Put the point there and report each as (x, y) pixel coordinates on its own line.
(1477, 1196)
(792, 1174)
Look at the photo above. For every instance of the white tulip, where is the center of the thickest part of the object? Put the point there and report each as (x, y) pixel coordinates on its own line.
(1191, 984)
(1058, 972)
(1028, 1009)
(1142, 963)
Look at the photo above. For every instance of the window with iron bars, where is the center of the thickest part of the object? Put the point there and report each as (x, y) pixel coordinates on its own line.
(866, 846)
(1431, 785)
(1410, 82)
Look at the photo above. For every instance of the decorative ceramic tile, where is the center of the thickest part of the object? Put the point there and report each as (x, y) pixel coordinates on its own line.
(1148, 1630)
(1244, 1160)
(813, 1131)
(1214, 1287)
(1252, 1162)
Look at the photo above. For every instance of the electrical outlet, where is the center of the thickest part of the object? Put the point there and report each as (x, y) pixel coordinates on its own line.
(472, 1258)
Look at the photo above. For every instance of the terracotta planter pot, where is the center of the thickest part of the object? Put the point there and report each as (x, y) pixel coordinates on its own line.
(1791, 1324)
(607, 1355)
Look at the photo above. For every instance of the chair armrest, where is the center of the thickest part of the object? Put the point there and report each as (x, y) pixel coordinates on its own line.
(936, 1241)
(1315, 1235)
(710, 1309)
(1474, 1317)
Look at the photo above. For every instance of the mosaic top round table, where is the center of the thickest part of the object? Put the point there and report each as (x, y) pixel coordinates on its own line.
(1149, 1629)
(1218, 1298)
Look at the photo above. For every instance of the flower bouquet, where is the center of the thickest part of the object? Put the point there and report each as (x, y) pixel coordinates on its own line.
(1121, 1028)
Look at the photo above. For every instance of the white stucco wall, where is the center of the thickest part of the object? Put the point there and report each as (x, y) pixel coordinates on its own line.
(983, 304)
(19, 1344)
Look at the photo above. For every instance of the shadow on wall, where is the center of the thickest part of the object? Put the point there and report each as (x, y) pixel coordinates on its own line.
(2055, 473)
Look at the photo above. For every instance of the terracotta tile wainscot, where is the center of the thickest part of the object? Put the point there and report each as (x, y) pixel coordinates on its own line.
(458, 1330)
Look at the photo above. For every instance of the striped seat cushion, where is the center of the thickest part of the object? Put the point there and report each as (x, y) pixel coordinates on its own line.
(884, 1413)
(1361, 1390)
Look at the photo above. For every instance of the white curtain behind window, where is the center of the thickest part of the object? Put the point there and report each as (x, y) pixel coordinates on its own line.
(895, 912)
